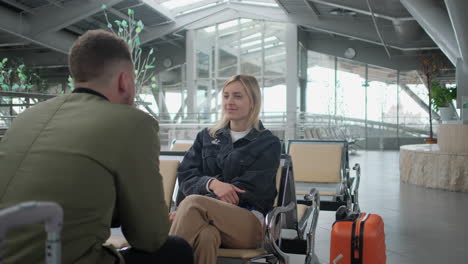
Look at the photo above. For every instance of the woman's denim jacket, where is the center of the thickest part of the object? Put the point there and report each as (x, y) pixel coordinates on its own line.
(250, 164)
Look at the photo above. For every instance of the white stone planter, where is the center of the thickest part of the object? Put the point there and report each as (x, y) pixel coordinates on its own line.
(446, 113)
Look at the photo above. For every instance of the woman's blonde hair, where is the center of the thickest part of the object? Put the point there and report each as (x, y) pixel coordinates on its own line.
(252, 90)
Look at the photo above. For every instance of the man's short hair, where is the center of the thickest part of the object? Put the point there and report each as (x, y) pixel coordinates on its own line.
(94, 52)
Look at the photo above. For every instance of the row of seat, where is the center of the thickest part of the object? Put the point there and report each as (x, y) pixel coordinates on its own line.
(322, 164)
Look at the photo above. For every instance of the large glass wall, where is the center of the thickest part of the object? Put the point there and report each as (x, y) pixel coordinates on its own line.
(379, 107)
(240, 46)
(350, 89)
(167, 99)
(320, 84)
(412, 112)
(382, 106)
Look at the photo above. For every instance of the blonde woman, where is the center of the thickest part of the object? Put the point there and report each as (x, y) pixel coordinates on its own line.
(227, 178)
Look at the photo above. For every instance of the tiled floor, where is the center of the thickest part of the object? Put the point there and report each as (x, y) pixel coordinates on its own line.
(422, 226)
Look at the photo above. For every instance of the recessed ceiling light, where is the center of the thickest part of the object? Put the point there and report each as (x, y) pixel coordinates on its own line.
(342, 12)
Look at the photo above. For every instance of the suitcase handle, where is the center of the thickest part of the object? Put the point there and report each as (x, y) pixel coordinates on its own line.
(338, 259)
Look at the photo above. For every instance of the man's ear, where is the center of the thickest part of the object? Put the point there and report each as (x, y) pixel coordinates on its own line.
(123, 82)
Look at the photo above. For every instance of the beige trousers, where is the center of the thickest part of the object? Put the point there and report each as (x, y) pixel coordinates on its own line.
(208, 224)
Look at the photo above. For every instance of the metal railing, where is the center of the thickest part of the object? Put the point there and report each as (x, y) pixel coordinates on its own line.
(308, 125)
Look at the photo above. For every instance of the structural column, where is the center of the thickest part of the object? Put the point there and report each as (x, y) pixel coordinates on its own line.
(292, 80)
(462, 84)
(457, 13)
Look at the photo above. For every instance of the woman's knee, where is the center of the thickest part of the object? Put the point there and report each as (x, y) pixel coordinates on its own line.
(193, 200)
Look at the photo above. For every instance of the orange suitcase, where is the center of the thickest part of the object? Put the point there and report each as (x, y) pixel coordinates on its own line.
(357, 238)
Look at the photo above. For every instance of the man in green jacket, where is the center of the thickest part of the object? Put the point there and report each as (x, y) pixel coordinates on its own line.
(97, 156)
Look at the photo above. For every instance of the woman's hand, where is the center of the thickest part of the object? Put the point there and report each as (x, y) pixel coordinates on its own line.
(225, 191)
(171, 217)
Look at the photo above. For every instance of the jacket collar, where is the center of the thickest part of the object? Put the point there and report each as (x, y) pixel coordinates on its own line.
(252, 135)
(89, 91)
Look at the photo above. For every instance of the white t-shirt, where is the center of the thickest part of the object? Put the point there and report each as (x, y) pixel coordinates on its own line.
(236, 135)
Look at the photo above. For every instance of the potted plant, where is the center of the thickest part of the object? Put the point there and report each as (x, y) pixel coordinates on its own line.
(431, 65)
(441, 97)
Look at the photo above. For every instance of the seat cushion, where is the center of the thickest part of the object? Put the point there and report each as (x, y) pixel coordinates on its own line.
(168, 170)
(241, 253)
(301, 209)
(321, 193)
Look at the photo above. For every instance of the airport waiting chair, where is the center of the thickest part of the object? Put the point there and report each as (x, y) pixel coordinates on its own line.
(168, 169)
(27, 213)
(181, 144)
(283, 216)
(324, 165)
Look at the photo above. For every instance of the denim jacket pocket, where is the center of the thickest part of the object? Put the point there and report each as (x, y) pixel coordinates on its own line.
(246, 161)
(209, 152)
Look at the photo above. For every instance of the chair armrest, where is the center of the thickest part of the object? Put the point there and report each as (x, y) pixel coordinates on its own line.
(27, 213)
(273, 231)
(314, 197)
(356, 168)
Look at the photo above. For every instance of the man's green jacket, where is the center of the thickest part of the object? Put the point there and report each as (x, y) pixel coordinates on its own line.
(99, 161)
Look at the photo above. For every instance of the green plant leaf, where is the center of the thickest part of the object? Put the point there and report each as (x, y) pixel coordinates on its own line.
(153, 78)
(109, 25)
(137, 42)
(153, 85)
(22, 76)
(149, 67)
(130, 12)
(15, 87)
(140, 24)
(129, 42)
(124, 24)
(4, 60)
(138, 30)
(151, 51)
(104, 6)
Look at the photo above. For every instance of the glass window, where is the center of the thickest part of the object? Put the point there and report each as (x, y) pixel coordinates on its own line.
(320, 84)
(251, 39)
(382, 100)
(274, 94)
(228, 48)
(350, 86)
(275, 49)
(413, 98)
(256, 46)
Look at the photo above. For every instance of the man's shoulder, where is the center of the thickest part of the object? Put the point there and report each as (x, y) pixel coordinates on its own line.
(132, 112)
(113, 112)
